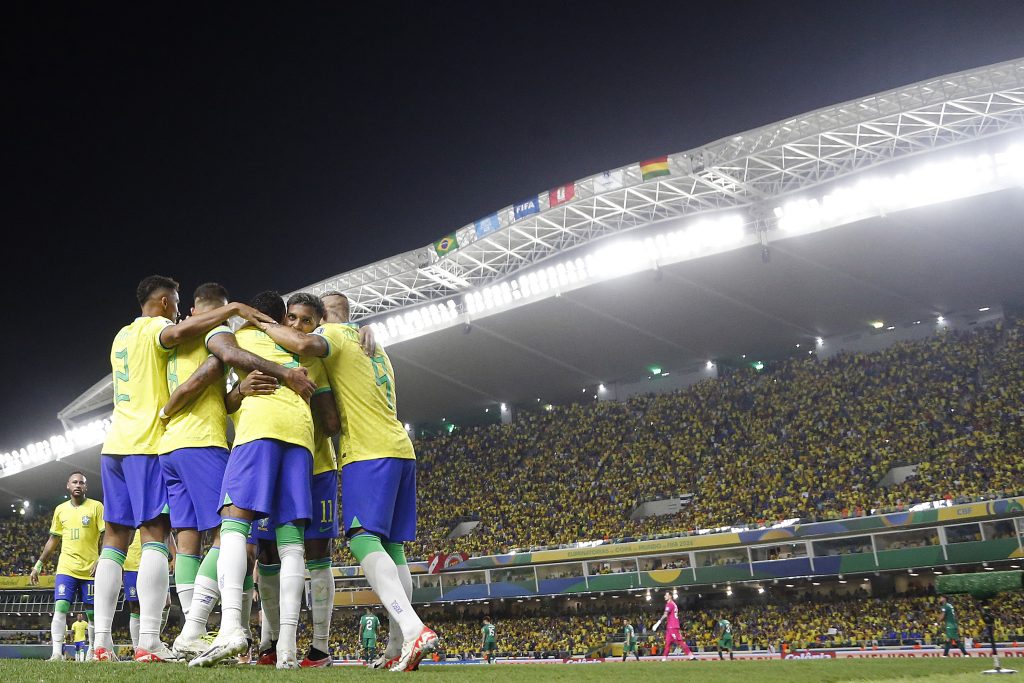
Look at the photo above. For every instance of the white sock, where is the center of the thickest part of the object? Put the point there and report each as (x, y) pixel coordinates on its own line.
(58, 627)
(185, 593)
(382, 573)
(293, 578)
(153, 583)
(133, 629)
(91, 630)
(230, 575)
(247, 612)
(395, 638)
(204, 599)
(270, 592)
(107, 587)
(322, 596)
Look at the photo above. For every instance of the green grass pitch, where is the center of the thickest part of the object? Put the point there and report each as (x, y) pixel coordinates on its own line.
(938, 670)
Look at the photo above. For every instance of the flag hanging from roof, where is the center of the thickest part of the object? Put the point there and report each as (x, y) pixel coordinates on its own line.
(561, 195)
(526, 207)
(487, 225)
(609, 180)
(654, 168)
(446, 245)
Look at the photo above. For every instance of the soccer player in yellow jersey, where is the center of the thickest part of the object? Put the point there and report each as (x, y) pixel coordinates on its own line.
(133, 487)
(269, 474)
(77, 527)
(193, 447)
(80, 637)
(378, 475)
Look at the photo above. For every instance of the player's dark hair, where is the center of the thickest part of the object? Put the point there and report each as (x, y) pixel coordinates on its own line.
(487, 617)
(307, 299)
(151, 284)
(74, 473)
(269, 303)
(210, 291)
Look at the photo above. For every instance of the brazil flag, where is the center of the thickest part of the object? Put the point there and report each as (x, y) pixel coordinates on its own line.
(446, 245)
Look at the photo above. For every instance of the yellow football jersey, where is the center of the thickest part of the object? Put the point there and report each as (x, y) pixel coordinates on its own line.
(79, 528)
(134, 555)
(324, 459)
(80, 629)
(203, 422)
(139, 362)
(364, 391)
(283, 415)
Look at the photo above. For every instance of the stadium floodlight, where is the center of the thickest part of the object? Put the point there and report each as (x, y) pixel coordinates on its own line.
(983, 309)
(819, 341)
(877, 324)
(709, 364)
(940, 320)
(503, 407)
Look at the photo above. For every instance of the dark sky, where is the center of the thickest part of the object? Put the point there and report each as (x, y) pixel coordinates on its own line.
(270, 146)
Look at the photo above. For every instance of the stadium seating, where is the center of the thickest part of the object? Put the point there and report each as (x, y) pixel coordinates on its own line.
(802, 438)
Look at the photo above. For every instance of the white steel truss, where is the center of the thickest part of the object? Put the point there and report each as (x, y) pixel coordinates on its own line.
(741, 171)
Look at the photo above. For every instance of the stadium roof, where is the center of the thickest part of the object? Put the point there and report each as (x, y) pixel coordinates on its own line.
(903, 257)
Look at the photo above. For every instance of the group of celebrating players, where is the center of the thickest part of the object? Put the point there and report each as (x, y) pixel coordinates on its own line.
(305, 375)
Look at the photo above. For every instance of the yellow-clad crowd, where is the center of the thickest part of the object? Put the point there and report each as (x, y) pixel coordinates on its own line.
(803, 438)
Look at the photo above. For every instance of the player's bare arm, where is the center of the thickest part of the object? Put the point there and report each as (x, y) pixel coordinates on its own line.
(227, 349)
(212, 370)
(201, 323)
(325, 413)
(254, 384)
(51, 546)
(296, 341)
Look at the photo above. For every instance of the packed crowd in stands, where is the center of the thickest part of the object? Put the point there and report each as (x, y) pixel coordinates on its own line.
(803, 438)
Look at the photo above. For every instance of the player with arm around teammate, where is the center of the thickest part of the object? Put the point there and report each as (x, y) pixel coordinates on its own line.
(378, 471)
(133, 486)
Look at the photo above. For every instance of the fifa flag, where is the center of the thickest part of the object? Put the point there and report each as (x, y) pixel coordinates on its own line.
(561, 195)
(446, 245)
(486, 225)
(609, 180)
(526, 207)
(654, 168)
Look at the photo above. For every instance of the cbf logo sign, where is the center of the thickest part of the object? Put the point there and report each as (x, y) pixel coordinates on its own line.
(132, 591)
(85, 520)
(62, 589)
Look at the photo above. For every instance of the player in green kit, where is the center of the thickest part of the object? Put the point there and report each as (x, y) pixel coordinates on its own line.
(368, 627)
(629, 640)
(952, 629)
(724, 638)
(488, 644)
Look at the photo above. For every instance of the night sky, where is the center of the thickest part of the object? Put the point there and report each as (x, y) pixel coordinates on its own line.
(271, 146)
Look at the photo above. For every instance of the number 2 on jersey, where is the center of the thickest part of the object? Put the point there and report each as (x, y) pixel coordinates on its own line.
(121, 376)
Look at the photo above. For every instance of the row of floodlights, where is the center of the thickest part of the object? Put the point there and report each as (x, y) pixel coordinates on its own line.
(930, 183)
(57, 446)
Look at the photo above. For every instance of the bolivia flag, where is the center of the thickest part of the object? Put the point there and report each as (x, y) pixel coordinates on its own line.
(653, 168)
(446, 244)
